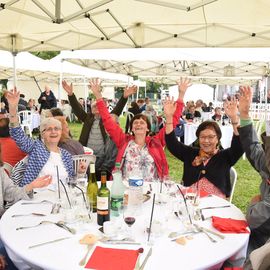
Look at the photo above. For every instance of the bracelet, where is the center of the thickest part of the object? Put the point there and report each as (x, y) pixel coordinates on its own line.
(235, 123)
(14, 125)
(12, 115)
(168, 123)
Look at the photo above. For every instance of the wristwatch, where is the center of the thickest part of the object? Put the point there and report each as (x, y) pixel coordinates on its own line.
(13, 125)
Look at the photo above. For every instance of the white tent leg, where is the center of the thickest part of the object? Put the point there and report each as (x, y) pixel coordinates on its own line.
(85, 93)
(60, 83)
(14, 70)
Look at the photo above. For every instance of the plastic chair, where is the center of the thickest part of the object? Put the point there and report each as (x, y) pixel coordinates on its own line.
(233, 178)
(26, 121)
(81, 164)
(7, 167)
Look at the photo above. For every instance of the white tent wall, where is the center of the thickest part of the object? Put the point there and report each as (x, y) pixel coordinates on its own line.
(31, 90)
(195, 92)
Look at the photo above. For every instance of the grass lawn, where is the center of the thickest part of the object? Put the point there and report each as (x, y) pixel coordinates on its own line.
(248, 179)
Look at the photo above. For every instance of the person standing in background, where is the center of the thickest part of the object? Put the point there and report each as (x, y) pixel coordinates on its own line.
(47, 99)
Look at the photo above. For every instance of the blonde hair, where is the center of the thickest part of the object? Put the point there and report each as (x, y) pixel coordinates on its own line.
(49, 121)
(65, 134)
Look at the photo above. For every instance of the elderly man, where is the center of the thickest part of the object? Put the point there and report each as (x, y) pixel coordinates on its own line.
(47, 99)
(93, 133)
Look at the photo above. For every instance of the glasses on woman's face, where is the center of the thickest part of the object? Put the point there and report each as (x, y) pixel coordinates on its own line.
(209, 137)
(51, 129)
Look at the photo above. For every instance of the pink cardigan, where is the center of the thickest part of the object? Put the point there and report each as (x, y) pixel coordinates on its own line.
(155, 144)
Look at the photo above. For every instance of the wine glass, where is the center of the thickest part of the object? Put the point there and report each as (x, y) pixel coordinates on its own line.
(129, 216)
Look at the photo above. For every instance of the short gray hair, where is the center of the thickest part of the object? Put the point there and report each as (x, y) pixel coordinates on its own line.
(49, 121)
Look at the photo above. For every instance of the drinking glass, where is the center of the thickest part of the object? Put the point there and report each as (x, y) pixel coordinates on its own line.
(129, 216)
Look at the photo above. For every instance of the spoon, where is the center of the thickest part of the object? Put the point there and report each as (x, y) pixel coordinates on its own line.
(83, 260)
(200, 229)
(41, 223)
(31, 214)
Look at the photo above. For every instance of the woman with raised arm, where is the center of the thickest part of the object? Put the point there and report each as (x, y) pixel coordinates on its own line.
(140, 152)
(207, 167)
(44, 155)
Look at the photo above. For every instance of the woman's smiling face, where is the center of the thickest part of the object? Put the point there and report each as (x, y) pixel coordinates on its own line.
(51, 134)
(139, 127)
(208, 140)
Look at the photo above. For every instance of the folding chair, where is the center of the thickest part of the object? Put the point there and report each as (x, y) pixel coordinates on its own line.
(26, 121)
(233, 178)
(81, 164)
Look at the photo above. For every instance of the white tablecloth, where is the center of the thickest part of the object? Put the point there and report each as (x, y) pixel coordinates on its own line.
(190, 134)
(199, 253)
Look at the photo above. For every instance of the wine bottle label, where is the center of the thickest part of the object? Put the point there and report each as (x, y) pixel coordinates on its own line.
(102, 212)
(116, 203)
(102, 203)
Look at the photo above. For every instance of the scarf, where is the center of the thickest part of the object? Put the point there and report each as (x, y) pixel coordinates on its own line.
(202, 157)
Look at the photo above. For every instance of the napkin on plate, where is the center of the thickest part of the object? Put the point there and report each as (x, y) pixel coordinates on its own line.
(112, 259)
(229, 225)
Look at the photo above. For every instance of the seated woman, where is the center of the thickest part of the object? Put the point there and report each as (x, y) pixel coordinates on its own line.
(206, 166)
(10, 193)
(72, 146)
(45, 157)
(140, 152)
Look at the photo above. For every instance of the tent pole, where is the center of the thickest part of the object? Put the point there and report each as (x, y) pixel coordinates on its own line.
(14, 70)
(60, 82)
(85, 93)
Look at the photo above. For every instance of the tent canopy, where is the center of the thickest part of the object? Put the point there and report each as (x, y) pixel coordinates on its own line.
(74, 24)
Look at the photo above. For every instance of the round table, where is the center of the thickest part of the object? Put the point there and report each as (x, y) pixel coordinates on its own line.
(199, 253)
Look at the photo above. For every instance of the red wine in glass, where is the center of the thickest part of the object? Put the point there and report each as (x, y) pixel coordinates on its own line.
(129, 221)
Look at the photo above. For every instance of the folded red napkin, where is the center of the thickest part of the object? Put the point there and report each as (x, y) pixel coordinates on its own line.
(112, 259)
(202, 192)
(229, 225)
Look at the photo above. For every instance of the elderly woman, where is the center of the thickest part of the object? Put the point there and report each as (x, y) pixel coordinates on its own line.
(207, 167)
(45, 157)
(140, 152)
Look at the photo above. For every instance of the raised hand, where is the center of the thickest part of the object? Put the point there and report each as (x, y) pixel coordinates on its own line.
(95, 86)
(169, 108)
(230, 108)
(68, 88)
(130, 90)
(13, 97)
(183, 85)
(245, 100)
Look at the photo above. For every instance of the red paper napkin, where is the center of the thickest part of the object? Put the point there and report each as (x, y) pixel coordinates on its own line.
(229, 225)
(202, 192)
(112, 259)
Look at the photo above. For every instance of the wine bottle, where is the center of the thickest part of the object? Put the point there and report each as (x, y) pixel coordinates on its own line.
(103, 201)
(117, 192)
(92, 188)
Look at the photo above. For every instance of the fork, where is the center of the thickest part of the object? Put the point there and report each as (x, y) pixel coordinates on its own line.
(30, 214)
(33, 226)
(200, 229)
(41, 202)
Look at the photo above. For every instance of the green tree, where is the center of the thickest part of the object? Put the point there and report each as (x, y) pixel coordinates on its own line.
(46, 55)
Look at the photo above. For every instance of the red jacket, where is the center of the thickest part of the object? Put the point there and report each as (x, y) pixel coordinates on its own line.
(11, 153)
(155, 144)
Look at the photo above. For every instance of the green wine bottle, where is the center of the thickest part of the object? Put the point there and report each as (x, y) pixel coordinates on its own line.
(92, 188)
(103, 201)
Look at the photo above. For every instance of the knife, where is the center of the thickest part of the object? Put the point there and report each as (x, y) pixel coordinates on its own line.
(146, 259)
(49, 242)
(115, 242)
(214, 207)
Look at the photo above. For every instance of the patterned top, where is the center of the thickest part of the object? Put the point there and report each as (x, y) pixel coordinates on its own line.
(207, 186)
(138, 162)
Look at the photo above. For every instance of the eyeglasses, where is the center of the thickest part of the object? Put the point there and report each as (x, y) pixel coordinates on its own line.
(209, 138)
(51, 129)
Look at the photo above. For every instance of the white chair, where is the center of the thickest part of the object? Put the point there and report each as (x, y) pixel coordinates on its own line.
(7, 167)
(233, 178)
(81, 164)
(26, 121)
